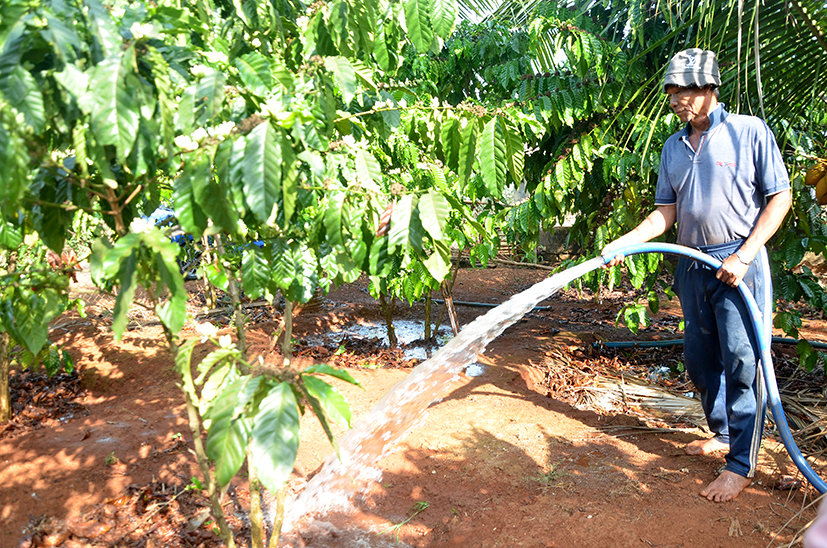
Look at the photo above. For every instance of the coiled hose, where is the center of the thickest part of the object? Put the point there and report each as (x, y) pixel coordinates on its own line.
(773, 397)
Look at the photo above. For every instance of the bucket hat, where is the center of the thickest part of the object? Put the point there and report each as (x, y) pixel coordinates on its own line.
(692, 66)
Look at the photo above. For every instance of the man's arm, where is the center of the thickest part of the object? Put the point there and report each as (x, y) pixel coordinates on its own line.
(734, 269)
(655, 224)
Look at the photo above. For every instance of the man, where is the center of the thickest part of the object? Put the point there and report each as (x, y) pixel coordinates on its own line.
(722, 180)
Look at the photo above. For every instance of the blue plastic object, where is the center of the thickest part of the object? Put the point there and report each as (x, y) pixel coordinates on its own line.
(773, 397)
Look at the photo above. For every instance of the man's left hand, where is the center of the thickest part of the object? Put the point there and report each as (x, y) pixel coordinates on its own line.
(732, 271)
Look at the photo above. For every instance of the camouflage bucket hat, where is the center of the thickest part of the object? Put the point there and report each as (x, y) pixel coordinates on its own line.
(692, 66)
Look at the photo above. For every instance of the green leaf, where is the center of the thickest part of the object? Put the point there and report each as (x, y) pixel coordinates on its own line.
(305, 280)
(128, 279)
(254, 71)
(333, 217)
(654, 301)
(807, 355)
(290, 179)
(172, 312)
(22, 92)
(368, 171)
(400, 222)
(433, 212)
(320, 413)
(183, 361)
(211, 197)
(282, 265)
(262, 171)
(418, 20)
(167, 104)
(63, 38)
(27, 317)
(451, 141)
(255, 272)
(325, 369)
(439, 263)
(190, 215)
(228, 435)
(73, 80)
(363, 72)
(103, 28)
(331, 400)
(282, 74)
(492, 157)
(444, 17)
(275, 436)
(467, 152)
(378, 260)
(345, 76)
(10, 236)
(209, 96)
(14, 161)
(788, 322)
(514, 153)
(114, 110)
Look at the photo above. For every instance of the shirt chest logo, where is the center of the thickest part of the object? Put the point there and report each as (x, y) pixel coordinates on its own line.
(727, 164)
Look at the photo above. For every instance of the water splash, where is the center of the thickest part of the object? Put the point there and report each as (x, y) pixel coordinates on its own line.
(403, 407)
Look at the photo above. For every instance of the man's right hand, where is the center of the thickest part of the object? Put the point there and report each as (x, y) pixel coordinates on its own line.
(652, 226)
(611, 248)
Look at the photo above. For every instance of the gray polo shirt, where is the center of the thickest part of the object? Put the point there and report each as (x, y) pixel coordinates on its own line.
(721, 188)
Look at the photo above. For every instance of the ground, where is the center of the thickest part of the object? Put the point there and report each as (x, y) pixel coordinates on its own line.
(522, 454)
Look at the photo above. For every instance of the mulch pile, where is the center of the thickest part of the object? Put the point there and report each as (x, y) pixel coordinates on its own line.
(150, 516)
(39, 401)
(358, 353)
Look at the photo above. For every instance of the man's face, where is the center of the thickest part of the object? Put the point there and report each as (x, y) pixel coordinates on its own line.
(688, 103)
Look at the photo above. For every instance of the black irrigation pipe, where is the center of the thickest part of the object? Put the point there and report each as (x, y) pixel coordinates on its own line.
(636, 344)
(677, 342)
(485, 305)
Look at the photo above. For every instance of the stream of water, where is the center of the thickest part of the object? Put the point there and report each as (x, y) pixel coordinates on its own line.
(403, 407)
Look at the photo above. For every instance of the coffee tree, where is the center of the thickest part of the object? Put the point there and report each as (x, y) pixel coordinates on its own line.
(256, 114)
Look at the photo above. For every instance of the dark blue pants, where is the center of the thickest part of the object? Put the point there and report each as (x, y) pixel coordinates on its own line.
(721, 354)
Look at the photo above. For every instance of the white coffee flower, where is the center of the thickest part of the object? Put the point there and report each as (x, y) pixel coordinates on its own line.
(222, 130)
(139, 30)
(215, 57)
(138, 226)
(349, 140)
(256, 43)
(206, 330)
(199, 134)
(199, 71)
(185, 143)
(31, 238)
(225, 341)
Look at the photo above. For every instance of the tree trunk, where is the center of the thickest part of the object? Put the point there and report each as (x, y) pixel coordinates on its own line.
(278, 519)
(387, 311)
(256, 515)
(209, 290)
(238, 315)
(428, 316)
(287, 341)
(449, 305)
(5, 395)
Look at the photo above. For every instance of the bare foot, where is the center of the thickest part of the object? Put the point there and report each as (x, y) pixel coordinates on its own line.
(705, 447)
(726, 487)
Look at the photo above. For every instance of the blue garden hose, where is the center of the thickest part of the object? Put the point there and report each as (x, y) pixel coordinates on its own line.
(773, 397)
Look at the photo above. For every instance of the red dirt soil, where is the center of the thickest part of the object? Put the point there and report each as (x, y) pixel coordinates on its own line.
(498, 462)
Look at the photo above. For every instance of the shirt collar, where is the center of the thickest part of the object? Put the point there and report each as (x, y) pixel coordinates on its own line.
(715, 118)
